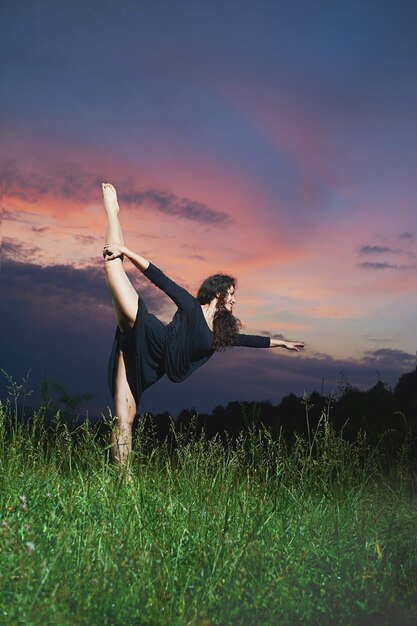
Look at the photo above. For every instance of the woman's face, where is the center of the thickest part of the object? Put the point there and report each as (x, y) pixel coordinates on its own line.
(229, 299)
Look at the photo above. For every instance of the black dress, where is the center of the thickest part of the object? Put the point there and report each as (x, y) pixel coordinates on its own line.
(176, 349)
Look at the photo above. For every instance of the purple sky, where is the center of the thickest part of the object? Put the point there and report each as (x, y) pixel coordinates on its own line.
(276, 141)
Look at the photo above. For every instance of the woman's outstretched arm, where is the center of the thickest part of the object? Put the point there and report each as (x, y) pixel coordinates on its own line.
(263, 341)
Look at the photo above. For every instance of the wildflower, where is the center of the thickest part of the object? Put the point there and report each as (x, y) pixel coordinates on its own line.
(4, 524)
(23, 500)
(29, 547)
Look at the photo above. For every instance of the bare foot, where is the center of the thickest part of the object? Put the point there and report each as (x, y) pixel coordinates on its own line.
(110, 199)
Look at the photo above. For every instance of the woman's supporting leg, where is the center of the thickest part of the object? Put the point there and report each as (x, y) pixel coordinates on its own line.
(125, 304)
(125, 409)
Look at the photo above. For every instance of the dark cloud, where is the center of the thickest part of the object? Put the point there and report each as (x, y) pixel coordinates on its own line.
(60, 283)
(376, 250)
(40, 230)
(17, 251)
(275, 336)
(367, 265)
(170, 204)
(52, 289)
(70, 181)
(408, 236)
(389, 358)
(385, 252)
(196, 257)
(379, 340)
(18, 216)
(88, 239)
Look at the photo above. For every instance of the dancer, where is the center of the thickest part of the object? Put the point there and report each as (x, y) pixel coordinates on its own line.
(144, 348)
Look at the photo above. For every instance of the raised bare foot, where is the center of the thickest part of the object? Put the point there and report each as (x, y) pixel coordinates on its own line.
(110, 198)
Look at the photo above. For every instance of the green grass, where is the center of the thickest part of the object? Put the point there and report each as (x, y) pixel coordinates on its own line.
(258, 533)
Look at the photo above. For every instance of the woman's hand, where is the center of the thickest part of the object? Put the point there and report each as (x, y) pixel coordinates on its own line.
(117, 251)
(113, 251)
(294, 346)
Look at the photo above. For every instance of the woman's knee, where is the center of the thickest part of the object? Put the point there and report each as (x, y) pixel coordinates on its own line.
(124, 297)
(124, 400)
(125, 408)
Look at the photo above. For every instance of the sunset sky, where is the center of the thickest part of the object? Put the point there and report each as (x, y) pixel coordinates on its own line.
(273, 140)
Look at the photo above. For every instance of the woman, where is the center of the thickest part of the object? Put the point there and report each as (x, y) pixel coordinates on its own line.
(144, 348)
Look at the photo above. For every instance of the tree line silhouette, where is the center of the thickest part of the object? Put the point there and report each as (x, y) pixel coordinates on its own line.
(375, 412)
(379, 411)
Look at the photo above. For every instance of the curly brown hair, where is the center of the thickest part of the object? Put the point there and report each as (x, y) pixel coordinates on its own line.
(225, 325)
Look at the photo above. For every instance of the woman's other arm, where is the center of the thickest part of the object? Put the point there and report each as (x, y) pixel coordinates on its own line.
(263, 341)
(178, 294)
(114, 251)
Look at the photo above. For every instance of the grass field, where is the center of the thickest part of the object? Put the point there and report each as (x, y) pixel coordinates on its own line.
(254, 533)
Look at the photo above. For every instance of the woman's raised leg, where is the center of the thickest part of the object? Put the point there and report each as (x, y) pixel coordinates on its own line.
(123, 294)
(125, 304)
